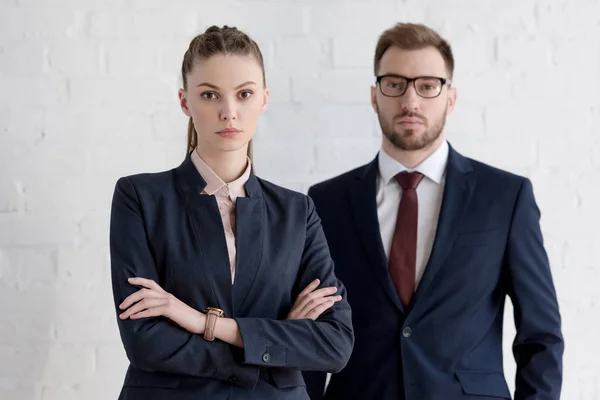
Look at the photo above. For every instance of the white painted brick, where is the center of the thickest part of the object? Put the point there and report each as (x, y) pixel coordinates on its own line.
(102, 328)
(137, 58)
(353, 19)
(280, 86)
(329, 121)
(88, 93)
(22, 58)
(25, 328)
(354, 52)
(171, 54)
(76, 58)
(91, 389)
(21, 126)
(143, 24)
(513, 120)
(82, 124)
(74, 195)
(466, 119)
(94, 226)
(40, 22)
(523, 53)
(343, 86)
(283, 159)
(301, 55)
(37, 229)
(32, 91)
(125, 92)
(551, 14)
(256, 19)
(45, 157)
(19, 389)
(79, 360)
(26, 299)
(10, 196)
(556, 151)
(583, 253)
(170, 123)
(88, 266)
(27, 267)
(545, 181)
(112, 359)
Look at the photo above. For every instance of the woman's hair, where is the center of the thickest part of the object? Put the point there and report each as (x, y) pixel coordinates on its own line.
(226, 40)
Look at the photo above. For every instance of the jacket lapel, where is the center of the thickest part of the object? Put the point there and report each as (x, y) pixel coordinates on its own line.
(364, 212)
(249, 240)
(209, 234)
(458, 190)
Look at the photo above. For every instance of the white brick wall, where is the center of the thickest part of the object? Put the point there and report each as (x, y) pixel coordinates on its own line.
(88, 93)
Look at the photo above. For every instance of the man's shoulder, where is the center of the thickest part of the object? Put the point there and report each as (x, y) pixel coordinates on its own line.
(339, 183)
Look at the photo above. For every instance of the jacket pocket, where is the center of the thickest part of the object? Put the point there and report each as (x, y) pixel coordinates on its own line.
(284, 378)
(139, 378)
(483, 383)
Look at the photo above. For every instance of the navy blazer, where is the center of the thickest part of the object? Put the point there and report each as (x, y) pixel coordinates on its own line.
(163, 229)
(447, 344)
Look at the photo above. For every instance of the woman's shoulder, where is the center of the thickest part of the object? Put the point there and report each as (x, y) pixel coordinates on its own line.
(147, 183)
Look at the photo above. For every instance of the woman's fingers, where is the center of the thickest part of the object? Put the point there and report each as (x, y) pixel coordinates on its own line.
(147, 283)
(309, 288)
(145, 304)
(320, 309)
(302, 303)
(137, 296)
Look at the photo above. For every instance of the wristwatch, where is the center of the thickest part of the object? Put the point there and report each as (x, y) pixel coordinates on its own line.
(212, 313)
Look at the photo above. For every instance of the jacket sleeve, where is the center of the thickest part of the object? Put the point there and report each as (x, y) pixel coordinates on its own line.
(155, 344)
(538, 346)
(321, 345)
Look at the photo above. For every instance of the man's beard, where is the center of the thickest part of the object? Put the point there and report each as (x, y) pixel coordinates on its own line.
(409, 139)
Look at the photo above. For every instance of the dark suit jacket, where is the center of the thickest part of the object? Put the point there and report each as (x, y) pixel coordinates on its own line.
(448, 343)
(163, 229)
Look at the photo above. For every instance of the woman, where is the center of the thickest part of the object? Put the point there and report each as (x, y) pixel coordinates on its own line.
(224, 283)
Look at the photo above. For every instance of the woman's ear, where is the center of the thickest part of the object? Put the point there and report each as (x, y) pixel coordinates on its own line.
(183, 103)
(265, 100)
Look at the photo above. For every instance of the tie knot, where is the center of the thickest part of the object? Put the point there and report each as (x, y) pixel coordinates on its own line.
(409, 180)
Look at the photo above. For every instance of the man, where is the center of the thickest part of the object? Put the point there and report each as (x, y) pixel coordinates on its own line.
(429, 243)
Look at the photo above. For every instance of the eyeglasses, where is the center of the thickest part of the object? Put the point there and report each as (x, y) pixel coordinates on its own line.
(427, 87)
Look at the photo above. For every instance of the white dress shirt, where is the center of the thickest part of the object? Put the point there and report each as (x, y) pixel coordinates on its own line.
(429, 193)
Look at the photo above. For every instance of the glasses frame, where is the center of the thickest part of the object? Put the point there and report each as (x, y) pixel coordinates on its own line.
(444, 81)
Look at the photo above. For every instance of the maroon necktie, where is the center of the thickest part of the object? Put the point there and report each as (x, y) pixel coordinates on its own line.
(403, 255)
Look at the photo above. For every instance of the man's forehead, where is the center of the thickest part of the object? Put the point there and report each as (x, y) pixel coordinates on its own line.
(426, 61)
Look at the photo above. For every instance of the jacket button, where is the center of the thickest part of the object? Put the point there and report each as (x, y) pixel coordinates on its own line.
(233, 379)
(266, 357)
(407, 332)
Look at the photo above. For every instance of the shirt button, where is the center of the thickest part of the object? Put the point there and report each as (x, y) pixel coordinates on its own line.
(233, 379)
(266, 357)
(407, 332)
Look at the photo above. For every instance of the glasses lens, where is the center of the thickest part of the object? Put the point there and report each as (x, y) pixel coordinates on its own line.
(393, 86)
(428, 87)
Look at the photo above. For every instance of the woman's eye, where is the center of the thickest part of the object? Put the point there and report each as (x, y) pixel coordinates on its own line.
(209, 95)
(245, 94)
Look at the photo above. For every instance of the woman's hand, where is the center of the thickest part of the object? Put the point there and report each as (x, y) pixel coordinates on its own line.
(153, 301)
(312, 302)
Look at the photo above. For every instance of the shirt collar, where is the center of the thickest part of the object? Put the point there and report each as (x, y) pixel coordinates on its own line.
(433, 167)
(214, 184)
